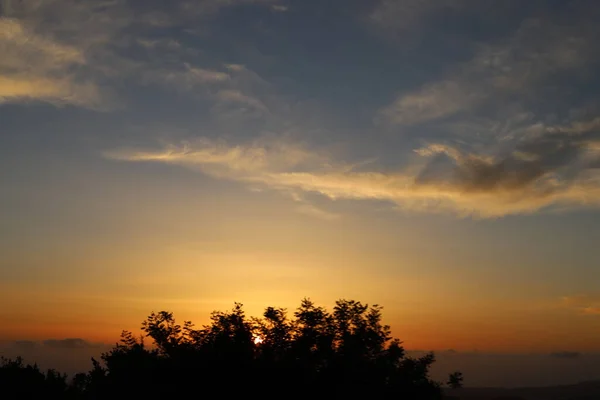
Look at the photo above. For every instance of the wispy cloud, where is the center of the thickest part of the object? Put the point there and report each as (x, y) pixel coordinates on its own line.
(430, 102)
(522, 63)
(515, 162)
(212, 6)
(216, 157)
(557, 172)
(231, 102)
(62, 51)
(159, 43)
(584, 304)
(528, 166)
(402, 15)
(570, 355)
(185, 78)
(279, 8)
(201, 75)
(78, 52)
(313, 211)
(35, 67)
(70, 343)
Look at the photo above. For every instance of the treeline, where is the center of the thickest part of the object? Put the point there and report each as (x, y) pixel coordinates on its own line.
(346, 353)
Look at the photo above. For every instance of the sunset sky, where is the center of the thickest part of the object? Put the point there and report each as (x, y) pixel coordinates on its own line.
(438, 157)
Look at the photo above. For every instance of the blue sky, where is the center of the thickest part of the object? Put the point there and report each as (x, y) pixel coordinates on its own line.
(189, 154)
(429, 90)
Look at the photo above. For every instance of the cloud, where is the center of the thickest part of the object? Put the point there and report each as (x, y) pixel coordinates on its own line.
(235, 67)
(581, 299)
(63, 51)
(35, 67)
(186, 78)
(78, 52)
(216, 157)
(544, 163)
(70, 343)
(312, 211)
(231, 100)
(260, 162)
(525, 63)
(584, 304)
(198, 75)
(69, 356)
(25, 344)
(236, 93)
(539, 49)
(159, 43)
(566, 355)
(399, 16)
(430, 102)
(214, 6)
(446, 179)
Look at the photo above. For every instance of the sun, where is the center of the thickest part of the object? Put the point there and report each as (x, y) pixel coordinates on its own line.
(258, 340)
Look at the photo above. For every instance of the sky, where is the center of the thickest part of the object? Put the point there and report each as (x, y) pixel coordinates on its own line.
(440, 158)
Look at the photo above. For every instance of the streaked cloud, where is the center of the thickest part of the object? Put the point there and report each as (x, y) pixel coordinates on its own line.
(77, 52)
(69, 356)
(213, 6)
(557, 172)
(185, 78)
(236, 96)
(584, 303)
(570, 355)
(35, 67)
(159, 43)
(200, 75)
(218, 158)
(525, 62)
(70, 343)
(313, 211)
(402, 15)
(67, 48)
(431, 102)
(25, 344)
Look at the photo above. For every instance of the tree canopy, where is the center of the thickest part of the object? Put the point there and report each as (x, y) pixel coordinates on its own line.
(314, 353)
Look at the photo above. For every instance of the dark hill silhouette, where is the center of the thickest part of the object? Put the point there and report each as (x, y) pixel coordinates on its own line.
(580, 391)
(346, 353)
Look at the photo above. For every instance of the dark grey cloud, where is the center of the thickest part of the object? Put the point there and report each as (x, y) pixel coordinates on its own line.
(69, 343)
(523, 167)
(25, 344)
(545, 163)
(69, 356)
(566, 354)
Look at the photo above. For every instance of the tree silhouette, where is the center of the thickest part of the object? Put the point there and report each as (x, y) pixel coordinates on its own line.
(345, 353)
(28, 381)
(455, 380)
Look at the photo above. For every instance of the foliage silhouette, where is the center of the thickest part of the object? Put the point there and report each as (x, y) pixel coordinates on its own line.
(344, 353)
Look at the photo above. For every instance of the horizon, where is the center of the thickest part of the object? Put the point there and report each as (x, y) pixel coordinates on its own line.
(439, 158)
(501, 370)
